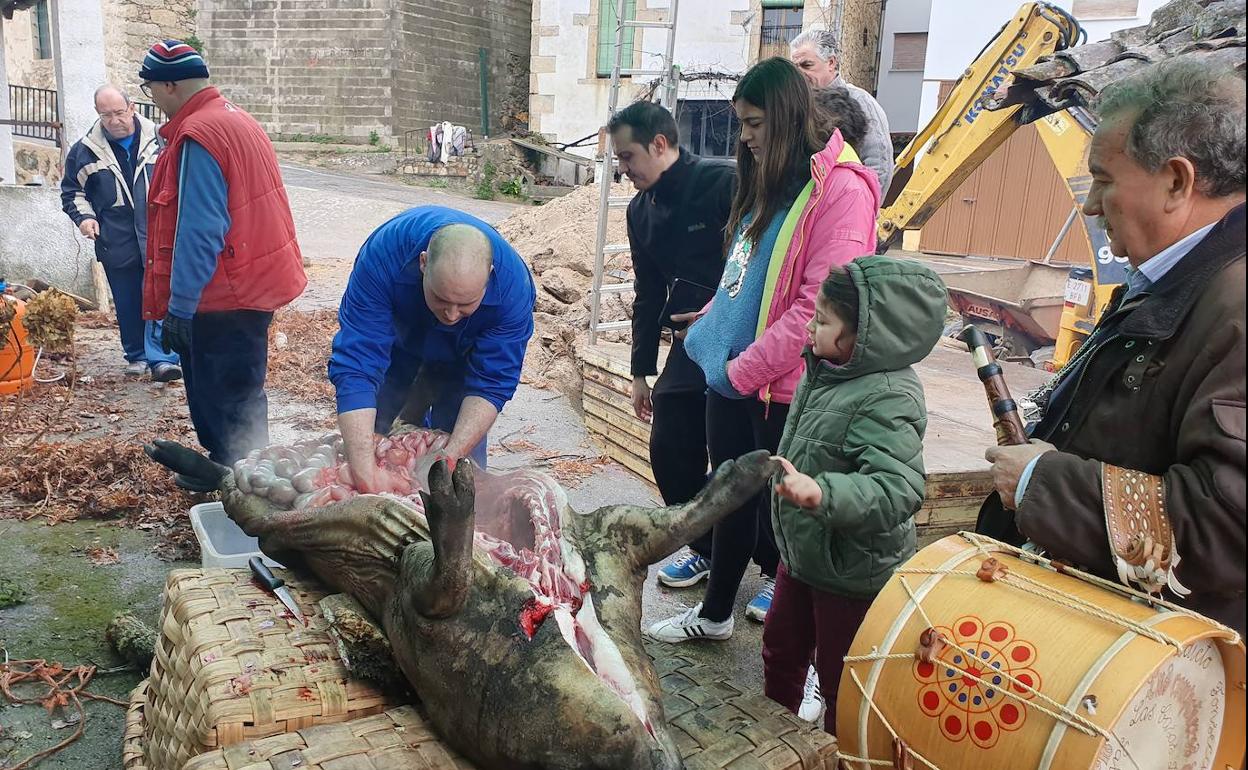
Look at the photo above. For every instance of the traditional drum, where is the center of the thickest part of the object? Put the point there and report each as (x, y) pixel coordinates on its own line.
(977, 655)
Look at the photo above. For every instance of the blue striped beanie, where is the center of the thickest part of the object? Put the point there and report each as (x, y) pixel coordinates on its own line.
(171, 61)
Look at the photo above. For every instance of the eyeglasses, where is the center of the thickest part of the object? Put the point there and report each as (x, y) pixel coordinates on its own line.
(116, 113)
(146, 88)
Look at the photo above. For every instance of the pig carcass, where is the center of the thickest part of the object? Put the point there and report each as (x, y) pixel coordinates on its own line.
(516, 619)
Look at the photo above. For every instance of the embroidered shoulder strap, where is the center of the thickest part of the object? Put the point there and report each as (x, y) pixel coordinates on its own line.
(1140, 537)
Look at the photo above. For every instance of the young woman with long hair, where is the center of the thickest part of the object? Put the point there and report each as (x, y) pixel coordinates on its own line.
(803, 205)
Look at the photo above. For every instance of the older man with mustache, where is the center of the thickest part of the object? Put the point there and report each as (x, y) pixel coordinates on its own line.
(1136, 470)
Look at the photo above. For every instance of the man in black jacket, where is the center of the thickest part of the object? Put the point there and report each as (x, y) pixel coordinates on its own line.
(676, 230)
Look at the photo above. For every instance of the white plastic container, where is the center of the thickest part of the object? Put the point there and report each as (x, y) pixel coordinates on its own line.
(222, 543)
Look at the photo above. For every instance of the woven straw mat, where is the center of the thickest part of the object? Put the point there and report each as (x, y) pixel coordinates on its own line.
(718, 725)
(132, 740)
(232, 665)
(395, 740)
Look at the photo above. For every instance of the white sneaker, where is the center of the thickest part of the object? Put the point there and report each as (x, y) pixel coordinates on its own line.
(687, 625)
(812, 699)
(136, 368)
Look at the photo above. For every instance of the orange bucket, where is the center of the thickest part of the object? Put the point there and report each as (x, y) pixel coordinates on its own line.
(17, 357)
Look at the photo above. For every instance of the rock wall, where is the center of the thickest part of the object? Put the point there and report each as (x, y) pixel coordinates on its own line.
(19, 53)
(860, 42)
(37, 161)
(132, 26)
(348, 68)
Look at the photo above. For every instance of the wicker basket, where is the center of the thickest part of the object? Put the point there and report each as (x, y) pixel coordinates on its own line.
(718, 725)
(132, 740)
(397, 739)
(231, 666)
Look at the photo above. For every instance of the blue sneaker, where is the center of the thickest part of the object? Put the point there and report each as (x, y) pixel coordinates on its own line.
(685, 571)
(757, 609)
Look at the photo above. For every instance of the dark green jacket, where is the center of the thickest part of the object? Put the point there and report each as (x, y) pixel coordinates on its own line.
(858, 430)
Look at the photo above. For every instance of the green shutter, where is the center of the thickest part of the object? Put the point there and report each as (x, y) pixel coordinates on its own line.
(606, 36)
(784, 4)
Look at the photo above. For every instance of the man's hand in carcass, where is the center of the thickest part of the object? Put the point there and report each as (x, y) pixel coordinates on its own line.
(175, 335)
(643, 406)
(798, 488)
(1008, 464)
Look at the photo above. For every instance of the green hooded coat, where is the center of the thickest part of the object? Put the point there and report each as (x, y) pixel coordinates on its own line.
(858, 431)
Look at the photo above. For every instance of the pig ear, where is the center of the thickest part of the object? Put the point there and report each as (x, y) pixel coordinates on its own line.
(652, 534)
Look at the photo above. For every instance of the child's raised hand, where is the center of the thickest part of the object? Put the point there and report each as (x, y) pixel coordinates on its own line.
(798, 488)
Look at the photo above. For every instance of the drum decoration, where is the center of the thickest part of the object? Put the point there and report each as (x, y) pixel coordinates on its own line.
(979, 655)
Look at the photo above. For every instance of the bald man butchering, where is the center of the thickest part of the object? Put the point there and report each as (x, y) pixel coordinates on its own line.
(437, 303)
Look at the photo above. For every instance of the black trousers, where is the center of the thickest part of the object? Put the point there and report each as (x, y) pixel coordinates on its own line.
(224, 375)
(735, 427)
(678, 455)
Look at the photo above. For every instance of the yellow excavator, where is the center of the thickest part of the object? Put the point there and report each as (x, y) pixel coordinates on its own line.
(964, 132)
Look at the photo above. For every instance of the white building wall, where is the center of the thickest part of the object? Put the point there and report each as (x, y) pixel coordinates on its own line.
(568, 101)
(899, 92)
(958, 29)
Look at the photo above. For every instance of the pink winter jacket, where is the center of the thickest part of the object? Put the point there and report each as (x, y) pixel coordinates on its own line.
(837, 225)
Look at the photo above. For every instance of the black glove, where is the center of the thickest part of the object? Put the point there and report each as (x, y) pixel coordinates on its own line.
(175, 335)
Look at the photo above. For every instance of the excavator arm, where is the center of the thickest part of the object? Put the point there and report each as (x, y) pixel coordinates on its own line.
(963, 132)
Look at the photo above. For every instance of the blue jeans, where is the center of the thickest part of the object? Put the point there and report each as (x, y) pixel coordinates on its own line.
(139, 339)
(447, 384)
(224, 374)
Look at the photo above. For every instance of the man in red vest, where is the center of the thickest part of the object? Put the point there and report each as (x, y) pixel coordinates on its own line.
(221, 250)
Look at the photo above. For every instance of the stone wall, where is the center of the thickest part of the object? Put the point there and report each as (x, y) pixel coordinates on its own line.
(348, 68)
(132, 26)
(860, 42)
(437, 71)
(304, 67)
(39, 241)
(34, 161)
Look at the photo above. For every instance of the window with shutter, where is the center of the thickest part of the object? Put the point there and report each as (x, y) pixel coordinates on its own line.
(909, 51)
(606, 36)
(782, 21)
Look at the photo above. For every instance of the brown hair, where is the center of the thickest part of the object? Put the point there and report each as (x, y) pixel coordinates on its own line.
(794, 134)
(841, 295)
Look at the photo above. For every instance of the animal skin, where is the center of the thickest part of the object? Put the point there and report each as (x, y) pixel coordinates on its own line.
(519, 624)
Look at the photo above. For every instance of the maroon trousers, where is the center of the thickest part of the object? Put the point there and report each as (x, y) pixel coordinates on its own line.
(805, 622)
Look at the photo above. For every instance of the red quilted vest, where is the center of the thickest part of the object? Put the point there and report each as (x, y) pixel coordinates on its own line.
(260, 267)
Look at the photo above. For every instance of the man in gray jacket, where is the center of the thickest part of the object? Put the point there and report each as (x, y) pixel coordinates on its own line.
(814, 52)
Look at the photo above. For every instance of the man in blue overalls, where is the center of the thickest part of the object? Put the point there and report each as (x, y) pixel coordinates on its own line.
(436, 300)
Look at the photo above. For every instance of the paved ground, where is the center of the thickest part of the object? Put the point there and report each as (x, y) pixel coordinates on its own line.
(335, 213)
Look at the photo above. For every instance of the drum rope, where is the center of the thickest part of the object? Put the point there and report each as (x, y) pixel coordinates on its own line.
(1065, 600)
(887, 726)
(985, 543)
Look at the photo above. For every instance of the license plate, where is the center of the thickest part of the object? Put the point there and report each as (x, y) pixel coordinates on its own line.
(1077, 291)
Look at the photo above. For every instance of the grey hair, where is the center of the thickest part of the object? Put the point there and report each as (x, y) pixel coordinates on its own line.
(822, 40)
(1184, 108)
(95, 98)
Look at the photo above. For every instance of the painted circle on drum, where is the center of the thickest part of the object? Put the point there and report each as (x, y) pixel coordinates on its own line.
(977, 687)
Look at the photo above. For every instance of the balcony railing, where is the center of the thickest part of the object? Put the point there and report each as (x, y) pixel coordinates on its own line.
(37, 115)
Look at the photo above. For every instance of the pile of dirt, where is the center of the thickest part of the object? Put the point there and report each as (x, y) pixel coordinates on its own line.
(557, 241)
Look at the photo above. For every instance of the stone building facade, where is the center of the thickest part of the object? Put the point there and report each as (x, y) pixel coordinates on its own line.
(130, 28)
(352, 68)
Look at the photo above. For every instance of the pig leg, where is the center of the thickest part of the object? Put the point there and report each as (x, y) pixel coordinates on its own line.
(650, 534)
(436, 577)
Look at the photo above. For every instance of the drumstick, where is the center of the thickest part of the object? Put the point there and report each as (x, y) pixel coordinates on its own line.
(1005, 417)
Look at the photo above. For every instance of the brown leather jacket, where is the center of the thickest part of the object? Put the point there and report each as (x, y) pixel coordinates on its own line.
(1164, 394)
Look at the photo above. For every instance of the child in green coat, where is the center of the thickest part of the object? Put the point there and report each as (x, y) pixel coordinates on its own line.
(843, 510)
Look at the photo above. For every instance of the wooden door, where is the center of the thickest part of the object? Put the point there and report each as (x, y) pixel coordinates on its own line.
(1012, 206)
